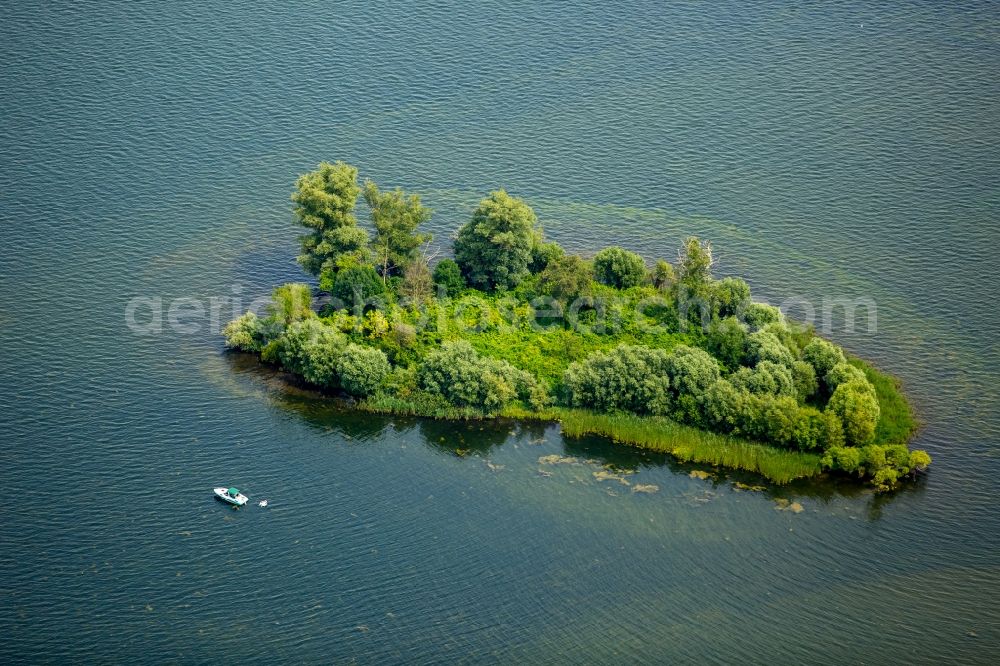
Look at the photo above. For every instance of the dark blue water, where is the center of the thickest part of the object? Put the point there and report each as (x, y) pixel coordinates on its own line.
(148, 149)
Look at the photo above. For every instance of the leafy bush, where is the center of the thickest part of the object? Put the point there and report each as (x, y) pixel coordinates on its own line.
(780, 330)
(310, 348)
(695, 267)
(843, 459)
(726, 407)
(759, 315)
(245, 333)
(765, 346)
(290, 302)
(766, 378)
(857, 407)
(494, 248)
(804, 378)
(730, 297)
(359, 286)
(543, 254)
(362, 370)
(458, 373)
(619, 268)
(375, 325)
(692, 371)
(884, 464)
(628, 378)
(566, 278)
(662, 276)
(843, 373)
(447, 274)
(727, 339)
(822, 356)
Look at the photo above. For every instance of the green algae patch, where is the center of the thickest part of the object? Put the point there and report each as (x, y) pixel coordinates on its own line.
(782, 504)
(605, 475)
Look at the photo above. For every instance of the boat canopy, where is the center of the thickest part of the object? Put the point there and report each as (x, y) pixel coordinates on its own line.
(233, 491)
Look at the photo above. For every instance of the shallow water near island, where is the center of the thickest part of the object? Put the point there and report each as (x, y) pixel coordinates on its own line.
(150, 151)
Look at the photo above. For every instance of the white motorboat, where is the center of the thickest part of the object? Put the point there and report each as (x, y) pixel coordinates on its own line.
(231, 496)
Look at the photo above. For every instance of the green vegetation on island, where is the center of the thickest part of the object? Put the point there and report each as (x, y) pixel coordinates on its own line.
(664, 357)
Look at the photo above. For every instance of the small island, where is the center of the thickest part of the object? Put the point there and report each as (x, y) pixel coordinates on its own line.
(664, 357)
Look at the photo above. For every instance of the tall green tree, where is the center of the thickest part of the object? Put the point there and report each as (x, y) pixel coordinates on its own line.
(494, 248)
(695, 264)
(324, 203)
(396, 217)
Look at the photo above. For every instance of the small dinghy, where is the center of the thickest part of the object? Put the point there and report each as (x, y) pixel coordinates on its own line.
(231, 496)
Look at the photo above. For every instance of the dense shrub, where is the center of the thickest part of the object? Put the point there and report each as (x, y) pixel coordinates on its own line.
(805, 380)
(447, 274)
(290, 302)
(662, 276)
(730, 297)
(780, 330)
(566, 278)
(362, 370)
(359, 286)
(857, 407)
(543, 254)
(822, 356)
(462, 376)
(494, 248)
(843, 459)
(619, 268)
(628, 378)
(781, 420)
(766, 378)
(883, 464)
(765, 346)
(759, 315)
(726, 407)
(815, 430)
(692, 371)
(310, 348)
(727, 340)
(843, 373)
(245, 333)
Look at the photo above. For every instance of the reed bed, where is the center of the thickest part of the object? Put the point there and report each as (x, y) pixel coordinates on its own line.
(690, 444)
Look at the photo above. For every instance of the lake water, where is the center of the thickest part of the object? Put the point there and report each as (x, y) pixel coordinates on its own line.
(149, 149)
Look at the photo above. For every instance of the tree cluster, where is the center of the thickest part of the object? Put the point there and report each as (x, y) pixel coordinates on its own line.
(741, 369)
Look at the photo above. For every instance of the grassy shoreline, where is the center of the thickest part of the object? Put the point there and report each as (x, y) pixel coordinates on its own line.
(897, 424)
(654, 433)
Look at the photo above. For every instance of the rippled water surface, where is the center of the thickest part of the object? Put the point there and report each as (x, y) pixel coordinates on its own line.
(148, 149)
